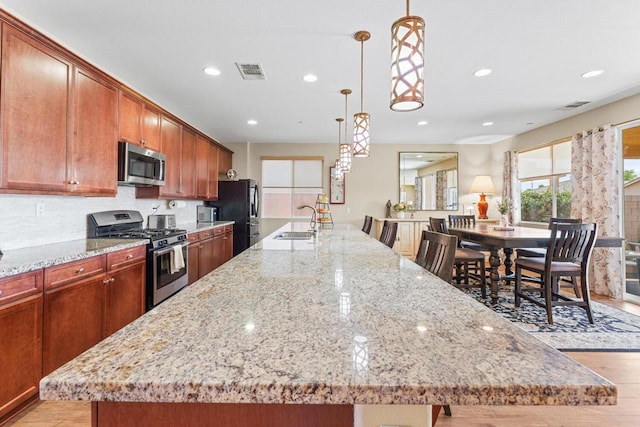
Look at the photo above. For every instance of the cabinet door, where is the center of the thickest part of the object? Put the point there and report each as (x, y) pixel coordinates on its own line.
(35, 107)
(218, 251)
(129, 118)
(20, 352)
(150, 123)
(213, 172)
(188, 164)
(73, 317)
(404, 239)
(202, 167)
(228, 247)
(224, 161)
(194, 262)
(206, 257)
(170, 146)
(124, 297)
(94, 151)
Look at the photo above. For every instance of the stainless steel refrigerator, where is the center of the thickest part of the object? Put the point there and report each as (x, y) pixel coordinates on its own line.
(239, 201)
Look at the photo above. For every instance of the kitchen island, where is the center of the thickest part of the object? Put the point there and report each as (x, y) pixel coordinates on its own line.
(313, 332)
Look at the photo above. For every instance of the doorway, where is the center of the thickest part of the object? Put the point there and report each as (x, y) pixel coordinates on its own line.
(630, 139)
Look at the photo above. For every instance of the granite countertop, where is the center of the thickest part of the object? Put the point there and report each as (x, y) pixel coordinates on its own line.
(23, 260)
(339, 319)
(193, 227)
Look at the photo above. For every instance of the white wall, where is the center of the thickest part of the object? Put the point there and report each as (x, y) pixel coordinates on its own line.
(65, 217)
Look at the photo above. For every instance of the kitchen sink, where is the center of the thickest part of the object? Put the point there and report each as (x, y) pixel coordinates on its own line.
(294, 235)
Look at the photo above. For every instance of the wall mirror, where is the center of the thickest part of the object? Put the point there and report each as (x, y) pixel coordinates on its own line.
(429, 181)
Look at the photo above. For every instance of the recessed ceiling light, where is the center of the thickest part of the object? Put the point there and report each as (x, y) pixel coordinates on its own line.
(252, 122)
(211, 71)
(482, 72)
(592, 73)
(487, 124)
(310, 78)
(423, 122)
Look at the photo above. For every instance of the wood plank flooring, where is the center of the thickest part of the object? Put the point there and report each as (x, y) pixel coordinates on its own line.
(623, 369)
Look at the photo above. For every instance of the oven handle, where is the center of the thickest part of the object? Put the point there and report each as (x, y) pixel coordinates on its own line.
(167, 250)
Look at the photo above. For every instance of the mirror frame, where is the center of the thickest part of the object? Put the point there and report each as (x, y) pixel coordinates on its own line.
(441, 203)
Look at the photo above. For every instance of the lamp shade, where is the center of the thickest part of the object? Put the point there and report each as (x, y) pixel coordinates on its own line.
(407, 63)
(482, 184)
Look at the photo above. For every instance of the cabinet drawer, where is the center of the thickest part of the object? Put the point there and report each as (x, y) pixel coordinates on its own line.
(193, 237)
(206, 234)
(228, 228)
(218, 231)
(72, 271)
(20, 286)
(125, 257)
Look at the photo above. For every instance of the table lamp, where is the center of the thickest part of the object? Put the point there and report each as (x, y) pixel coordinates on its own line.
(483, 185)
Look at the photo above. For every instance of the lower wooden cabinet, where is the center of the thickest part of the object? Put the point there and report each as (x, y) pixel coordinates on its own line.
(20, 340)
(208, 250)
(124, 299)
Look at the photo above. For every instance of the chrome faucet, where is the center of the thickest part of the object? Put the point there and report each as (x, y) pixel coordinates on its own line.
(313, 222)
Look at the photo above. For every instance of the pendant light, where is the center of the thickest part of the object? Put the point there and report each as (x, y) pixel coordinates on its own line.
(338, 175)
(407, 63)
(361, 119)
(346, 148)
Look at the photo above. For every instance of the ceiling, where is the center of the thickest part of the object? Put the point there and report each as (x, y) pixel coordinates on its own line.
(536, 49)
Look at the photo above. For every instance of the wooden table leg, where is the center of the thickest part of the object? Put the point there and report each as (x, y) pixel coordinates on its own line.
(494, 275)
(507, 261)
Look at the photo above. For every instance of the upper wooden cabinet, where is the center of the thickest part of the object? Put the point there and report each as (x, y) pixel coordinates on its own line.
(138, 123)
(58, 122)
(206, 169)
(224, 161)
(188, 164)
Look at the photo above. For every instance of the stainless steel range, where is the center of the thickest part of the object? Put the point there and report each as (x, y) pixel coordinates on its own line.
(167, 255)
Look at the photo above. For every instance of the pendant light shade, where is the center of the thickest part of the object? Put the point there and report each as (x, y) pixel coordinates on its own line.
(338, 175)
(361, 120)
(407, 63)
(346, 147)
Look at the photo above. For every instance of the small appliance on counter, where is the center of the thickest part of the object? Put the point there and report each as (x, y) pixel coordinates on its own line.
(162, 222)
(207, 213)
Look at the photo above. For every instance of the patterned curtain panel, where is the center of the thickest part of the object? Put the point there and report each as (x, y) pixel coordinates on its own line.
(441, 185)
(595, 183)
(510, 187)
(418, 193)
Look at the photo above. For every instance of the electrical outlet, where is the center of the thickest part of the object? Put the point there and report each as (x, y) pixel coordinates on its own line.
(348, 210)
(39, 209)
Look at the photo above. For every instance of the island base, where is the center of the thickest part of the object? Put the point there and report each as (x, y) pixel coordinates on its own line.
(136, 414)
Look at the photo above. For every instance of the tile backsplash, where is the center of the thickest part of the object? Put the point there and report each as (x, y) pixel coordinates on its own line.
(65, 217)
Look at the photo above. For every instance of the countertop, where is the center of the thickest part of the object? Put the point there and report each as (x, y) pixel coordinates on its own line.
(23, 260)
(194, 227)
(340, 319)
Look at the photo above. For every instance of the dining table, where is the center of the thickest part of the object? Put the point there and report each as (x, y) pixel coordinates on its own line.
(507, 239)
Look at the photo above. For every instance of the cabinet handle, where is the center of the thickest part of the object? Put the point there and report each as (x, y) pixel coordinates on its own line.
(80, 270)
(1, 292)
(201, 246)
(129, 256)
(143, 142)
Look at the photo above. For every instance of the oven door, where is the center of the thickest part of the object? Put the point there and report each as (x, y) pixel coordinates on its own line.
(163, 282)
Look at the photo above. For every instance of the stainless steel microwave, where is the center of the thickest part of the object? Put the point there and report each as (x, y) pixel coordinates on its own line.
(140, 166)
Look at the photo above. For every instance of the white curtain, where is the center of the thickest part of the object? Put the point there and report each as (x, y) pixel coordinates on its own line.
(510, 185)
(595, 183)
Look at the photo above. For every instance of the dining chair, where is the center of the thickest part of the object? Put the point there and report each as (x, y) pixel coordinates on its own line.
(567, 254)
(469, 263)
(459, 221)
(541, 252)
(368, 221)
(388, 234)
(437, 253)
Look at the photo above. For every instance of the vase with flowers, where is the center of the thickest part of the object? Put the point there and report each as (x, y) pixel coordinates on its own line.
(504, 209)
(400, 209)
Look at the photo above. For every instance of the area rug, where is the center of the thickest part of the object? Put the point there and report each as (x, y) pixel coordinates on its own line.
(613, 329)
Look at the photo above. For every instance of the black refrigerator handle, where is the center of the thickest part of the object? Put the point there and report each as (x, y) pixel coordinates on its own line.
(256, 199)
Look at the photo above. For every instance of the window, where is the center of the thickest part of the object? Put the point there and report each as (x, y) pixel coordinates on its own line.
(545, 182)
(288, 183)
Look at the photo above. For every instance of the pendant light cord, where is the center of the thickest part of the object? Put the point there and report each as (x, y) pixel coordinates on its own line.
(362, 74)
(407, 7)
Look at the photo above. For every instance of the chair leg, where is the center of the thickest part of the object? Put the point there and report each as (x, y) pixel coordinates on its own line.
(517, 286)
(447, 410)
(483, 280)
(586, 298)
(548, 298)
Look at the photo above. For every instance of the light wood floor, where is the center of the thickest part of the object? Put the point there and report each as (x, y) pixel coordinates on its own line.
(623, 369)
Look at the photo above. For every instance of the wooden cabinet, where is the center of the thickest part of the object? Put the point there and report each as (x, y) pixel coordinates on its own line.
(224, 161)
(188, 164)
(125, 288)
(94, 153)
(87, 300)
(138, 123)
(35, 103)
(206, 169)
(208, 250)
(20, 340)
(58, 122)
(405, 238)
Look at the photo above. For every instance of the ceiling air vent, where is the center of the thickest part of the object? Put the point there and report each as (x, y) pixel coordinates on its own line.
(251, 71)
(574, 104)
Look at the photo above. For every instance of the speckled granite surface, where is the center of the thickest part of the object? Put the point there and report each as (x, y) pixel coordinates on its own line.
(18, 261)
(345, 321)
